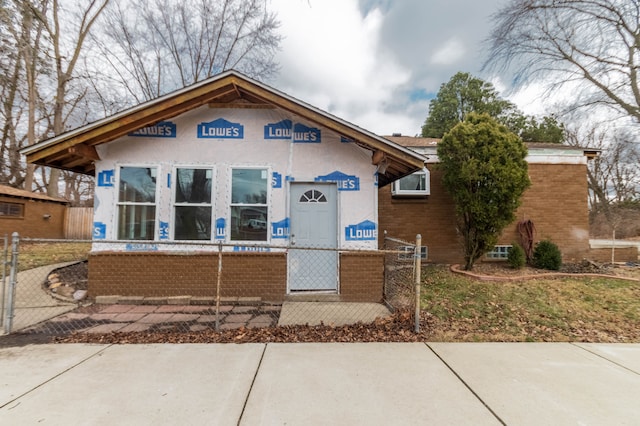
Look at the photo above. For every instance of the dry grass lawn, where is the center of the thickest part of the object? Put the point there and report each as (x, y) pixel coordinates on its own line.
(458, 308)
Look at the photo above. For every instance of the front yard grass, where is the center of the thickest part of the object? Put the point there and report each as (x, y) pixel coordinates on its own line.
(35, 254)
(458, 308)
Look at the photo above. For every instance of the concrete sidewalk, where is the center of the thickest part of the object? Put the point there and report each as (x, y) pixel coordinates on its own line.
(321, 383)
(32, 303)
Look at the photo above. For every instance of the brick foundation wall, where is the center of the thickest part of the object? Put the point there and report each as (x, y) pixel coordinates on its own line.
(556, 202)
(153, 274)
(361, 276)
(264, 275)
(33, 224)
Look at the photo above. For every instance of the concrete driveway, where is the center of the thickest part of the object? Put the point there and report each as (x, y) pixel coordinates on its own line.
(321, 383)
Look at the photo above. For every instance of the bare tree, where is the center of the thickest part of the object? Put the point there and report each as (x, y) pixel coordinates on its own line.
(22, 65)
(613, 177)
(595, 43)
(41, 94)
(156, 46)
(65, 49)
(50, 66)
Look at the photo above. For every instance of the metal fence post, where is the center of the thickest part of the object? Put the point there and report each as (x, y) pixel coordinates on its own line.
(15, 239)
(218, 286)
(418, 276)
(5, 262)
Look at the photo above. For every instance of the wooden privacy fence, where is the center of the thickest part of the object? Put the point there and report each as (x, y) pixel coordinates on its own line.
(78, 223)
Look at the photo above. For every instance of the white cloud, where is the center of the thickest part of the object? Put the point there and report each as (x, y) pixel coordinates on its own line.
(376, 63)
(449, 53)
(331, 58)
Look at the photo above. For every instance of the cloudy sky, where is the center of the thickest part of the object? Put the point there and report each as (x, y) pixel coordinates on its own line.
(377, 63)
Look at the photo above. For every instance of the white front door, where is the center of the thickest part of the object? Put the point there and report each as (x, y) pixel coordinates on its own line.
(314, 218)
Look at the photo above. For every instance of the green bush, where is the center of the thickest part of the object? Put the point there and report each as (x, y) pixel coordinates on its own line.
(516, 256)
(546, 255)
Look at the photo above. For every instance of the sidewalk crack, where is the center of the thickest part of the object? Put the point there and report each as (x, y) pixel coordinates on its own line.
(82, 361)
(255, 375)
(455, 373)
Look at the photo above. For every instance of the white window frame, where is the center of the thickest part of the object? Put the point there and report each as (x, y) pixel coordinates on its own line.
(408, 252)
(119, 203)
(174, 204)
(396, 191)
(499, 252)
(267, 205)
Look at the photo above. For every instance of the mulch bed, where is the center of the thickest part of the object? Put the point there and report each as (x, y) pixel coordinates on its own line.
(396, 328)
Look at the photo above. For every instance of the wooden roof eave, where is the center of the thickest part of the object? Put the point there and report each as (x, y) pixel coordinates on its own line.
(121, 126)
(111, 128)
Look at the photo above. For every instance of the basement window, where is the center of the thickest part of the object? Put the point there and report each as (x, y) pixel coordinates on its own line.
(417, 184)
(407, 252)
(14, 210)
(500, 252)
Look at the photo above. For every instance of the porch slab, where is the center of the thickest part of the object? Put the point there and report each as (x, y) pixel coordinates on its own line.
(330, 313)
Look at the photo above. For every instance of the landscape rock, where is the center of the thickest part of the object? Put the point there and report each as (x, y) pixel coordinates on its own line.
(80, 294)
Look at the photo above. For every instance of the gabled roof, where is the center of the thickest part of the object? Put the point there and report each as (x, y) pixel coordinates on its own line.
(75, 150)
(9, 191)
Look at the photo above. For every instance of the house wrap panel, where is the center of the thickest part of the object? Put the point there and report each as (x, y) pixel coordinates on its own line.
(289, 149)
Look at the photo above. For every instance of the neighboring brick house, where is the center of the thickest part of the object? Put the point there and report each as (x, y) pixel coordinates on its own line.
(31, 214)
(234, 161)
(556, 203)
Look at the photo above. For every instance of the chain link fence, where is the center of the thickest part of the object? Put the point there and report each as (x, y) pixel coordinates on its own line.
(57, 287)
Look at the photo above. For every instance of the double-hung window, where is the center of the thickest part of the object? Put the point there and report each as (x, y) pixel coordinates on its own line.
(137, 203)
(249, 208)
(192, 206)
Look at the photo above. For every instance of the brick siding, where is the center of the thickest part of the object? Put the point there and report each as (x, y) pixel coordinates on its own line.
(33, 224)
(556, 203)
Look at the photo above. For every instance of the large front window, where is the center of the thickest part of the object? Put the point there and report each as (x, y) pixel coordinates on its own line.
(249, 212)
(193, 204)
(137, 203)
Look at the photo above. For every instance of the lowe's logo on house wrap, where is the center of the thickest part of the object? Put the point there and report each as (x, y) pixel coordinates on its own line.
(163, 230)
(279, 130)
(276, 180)
(99, 231)
(304, 134)
(221, 226)
(106, 178)
(141, 247)
(363, 231)
(280, 229)
(345, 182)
(220, 129)
(163, 129)
(251, 248)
